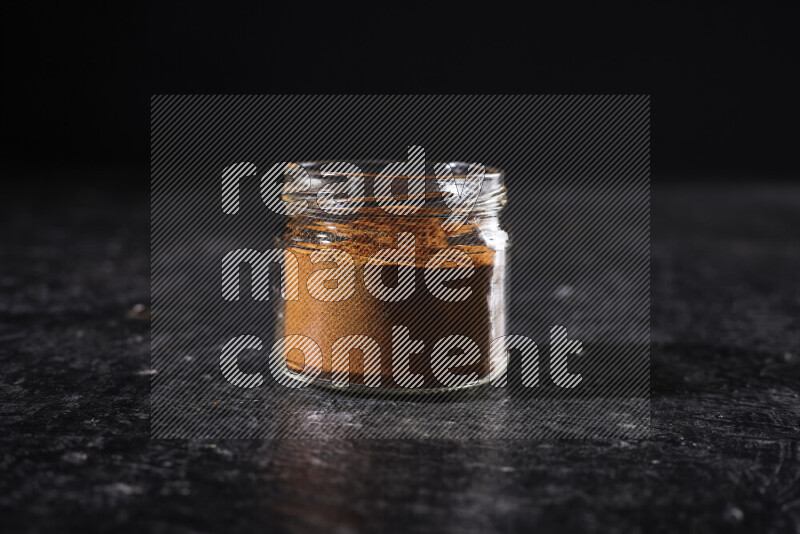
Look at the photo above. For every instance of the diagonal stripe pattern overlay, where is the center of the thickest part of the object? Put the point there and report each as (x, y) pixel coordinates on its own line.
(577, 170)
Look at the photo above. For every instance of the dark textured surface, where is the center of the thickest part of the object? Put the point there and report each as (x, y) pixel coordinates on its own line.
(724, 451)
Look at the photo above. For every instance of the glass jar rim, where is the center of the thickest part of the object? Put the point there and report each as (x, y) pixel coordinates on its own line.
(495, 175)
(440, 182)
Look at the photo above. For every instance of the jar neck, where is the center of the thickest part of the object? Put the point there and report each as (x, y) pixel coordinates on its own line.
(454, 191)
(399, 210)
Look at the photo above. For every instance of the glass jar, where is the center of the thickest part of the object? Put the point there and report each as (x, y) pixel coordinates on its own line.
(401, 282)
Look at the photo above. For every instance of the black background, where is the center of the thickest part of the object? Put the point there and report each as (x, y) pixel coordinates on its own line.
(77, 78)
(723, 454)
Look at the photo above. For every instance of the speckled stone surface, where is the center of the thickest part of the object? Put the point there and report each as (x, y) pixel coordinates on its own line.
(724, 450)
